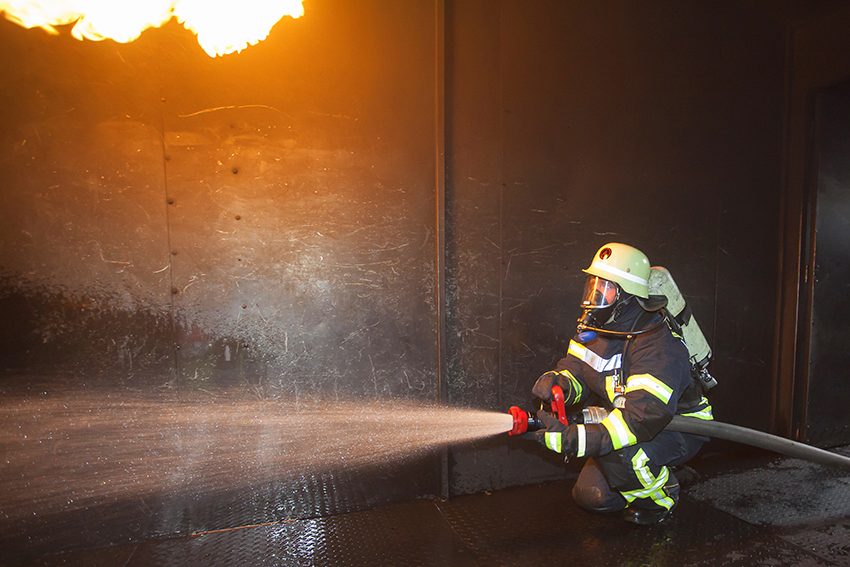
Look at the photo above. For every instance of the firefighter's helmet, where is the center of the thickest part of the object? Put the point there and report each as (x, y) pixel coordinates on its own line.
(625, 266)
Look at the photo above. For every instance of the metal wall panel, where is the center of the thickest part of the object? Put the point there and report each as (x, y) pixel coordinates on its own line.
(649, 147)
(301, 185)
(295, 179)
(84, 285)
(749, 145)
(658, 125)
(828, 392)
(476, 120)
(301, 191)
(813, 66)
(262, 222)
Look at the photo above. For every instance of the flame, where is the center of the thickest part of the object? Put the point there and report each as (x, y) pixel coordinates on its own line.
(222, 26)
(223, 30)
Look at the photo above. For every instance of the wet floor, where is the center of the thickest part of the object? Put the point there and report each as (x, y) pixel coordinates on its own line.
(765, 510)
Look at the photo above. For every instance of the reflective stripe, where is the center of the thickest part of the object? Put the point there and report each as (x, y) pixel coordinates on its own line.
(582, 441)
(553, 440)
(655, 491)
(653, 487)
(702, 414)
(651, 384)
(609, 388)
(577, 350)
(618, 272)
(620, 434)
(665, 500)
(639, 464)
(594, 360)
(576, 385)
(705, 413)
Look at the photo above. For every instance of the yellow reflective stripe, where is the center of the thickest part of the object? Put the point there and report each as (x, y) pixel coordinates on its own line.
(577, 387)
(620, 434)
(594, 360)
(705, 414)
(660, 496)
(653, 486)
(576, 350)
(632, 495)
(609, 388)
(582, 441)
(639, 464)
(664, 501)
(553, 441)
(576, 384)
(650, 384)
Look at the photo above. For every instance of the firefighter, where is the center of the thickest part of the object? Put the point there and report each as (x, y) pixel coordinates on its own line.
(636, 374)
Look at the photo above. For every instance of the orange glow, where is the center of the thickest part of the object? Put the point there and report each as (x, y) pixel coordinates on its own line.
(222, 26)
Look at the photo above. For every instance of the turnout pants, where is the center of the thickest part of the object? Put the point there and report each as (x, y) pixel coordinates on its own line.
(637, 476)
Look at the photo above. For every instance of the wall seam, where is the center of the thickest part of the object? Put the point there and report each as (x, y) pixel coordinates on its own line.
(501, 194)
(440, 219)
(169, 201)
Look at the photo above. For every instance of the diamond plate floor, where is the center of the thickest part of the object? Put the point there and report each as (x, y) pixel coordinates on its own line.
(736, 516)
(780, 492)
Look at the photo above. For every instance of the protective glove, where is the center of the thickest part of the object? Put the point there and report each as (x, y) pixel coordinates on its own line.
(543, 387)
(554, 437)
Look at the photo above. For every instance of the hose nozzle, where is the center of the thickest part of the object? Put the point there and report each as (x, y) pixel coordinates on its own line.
(523, 421)
(527, 421)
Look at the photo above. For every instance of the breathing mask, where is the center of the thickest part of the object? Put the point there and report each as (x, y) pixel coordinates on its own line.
(601, 301)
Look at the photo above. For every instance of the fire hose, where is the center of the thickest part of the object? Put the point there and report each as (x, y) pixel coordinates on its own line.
(526, 421)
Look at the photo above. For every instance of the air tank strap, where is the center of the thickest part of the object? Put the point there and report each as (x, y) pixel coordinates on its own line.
(685, 315)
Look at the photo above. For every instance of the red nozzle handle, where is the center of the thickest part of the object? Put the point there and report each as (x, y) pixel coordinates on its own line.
(558, 404)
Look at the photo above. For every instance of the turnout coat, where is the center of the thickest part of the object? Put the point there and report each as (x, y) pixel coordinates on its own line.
(642, 382)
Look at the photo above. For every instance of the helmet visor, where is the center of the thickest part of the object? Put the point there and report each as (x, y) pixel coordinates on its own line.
(598, 293)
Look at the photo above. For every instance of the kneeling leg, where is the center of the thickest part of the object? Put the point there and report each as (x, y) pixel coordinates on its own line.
(593, 493)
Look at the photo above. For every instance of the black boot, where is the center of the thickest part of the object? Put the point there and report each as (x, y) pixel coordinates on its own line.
(644, 517)
(686, 475)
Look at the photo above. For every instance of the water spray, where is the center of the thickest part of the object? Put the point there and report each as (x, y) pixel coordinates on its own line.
(67, 450)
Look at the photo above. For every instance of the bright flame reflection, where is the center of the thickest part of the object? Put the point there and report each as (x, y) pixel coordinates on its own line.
(222, 26)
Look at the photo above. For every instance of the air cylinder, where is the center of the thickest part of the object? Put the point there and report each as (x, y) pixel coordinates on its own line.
(661, 283)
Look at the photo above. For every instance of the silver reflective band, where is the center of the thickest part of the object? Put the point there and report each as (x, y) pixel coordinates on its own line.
(553, 441)
(619, 272)
(582, 441)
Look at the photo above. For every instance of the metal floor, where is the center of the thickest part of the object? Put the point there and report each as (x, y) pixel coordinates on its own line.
(765, 510)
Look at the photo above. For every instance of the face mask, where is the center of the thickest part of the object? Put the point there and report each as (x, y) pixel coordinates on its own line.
(599, 293)
(602, 302)
(598, 301)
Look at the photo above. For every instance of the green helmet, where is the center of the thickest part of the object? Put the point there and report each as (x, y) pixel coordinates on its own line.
(626, 266)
